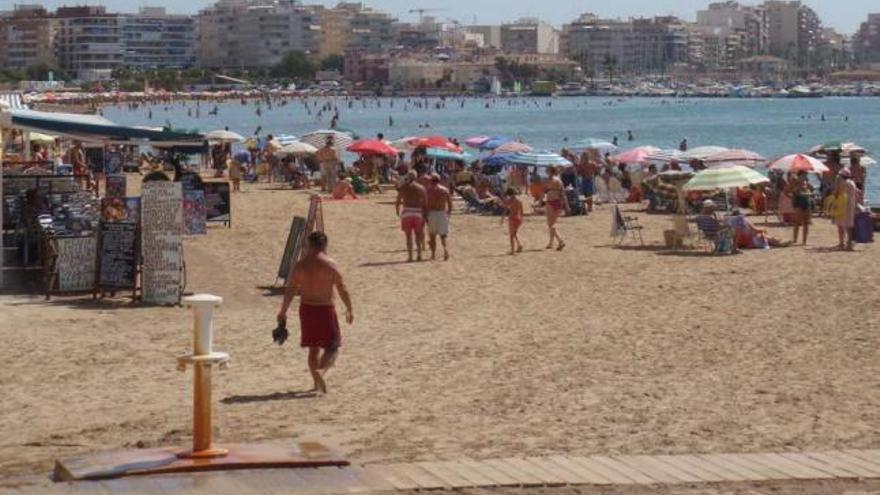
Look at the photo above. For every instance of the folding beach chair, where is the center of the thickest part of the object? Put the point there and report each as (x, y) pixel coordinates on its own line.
(623, 227)
(717, 236)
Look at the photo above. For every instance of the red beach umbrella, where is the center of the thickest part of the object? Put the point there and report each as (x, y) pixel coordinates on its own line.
(371, 147)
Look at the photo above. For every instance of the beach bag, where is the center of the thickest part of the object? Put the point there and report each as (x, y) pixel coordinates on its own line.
(863, 231)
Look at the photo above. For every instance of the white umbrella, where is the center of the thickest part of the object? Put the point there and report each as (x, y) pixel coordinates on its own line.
(297, 148)
(724, 178)
(224, 136)
(539, 159)
(341, 140)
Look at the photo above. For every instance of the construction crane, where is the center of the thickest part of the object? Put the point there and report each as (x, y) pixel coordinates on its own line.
(422, 11)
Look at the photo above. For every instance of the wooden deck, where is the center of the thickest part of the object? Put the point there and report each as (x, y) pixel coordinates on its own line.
(509, 472)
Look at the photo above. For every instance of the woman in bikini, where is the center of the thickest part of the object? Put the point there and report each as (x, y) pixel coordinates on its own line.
(555, 204)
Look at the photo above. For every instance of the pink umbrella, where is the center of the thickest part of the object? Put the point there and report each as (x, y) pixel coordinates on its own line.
(635, 155)
(799, 163)
(512, 147)
(476, 141)
(735, 157)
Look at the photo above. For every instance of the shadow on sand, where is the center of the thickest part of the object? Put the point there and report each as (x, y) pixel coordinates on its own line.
(275, 396)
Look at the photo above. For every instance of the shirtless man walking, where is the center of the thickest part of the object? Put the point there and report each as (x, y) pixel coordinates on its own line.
(313, 279)
(439, 206)
(413, 197)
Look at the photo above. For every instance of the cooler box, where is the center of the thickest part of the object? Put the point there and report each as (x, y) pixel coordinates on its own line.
(863, 232)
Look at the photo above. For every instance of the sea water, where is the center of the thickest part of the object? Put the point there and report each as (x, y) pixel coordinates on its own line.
(772, 127)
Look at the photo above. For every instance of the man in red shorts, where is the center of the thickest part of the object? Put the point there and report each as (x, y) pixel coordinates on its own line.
(413, 197)
(313, 279)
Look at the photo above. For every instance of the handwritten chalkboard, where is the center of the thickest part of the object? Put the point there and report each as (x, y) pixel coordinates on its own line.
(217, 204)
(161, 246)
(75, 265)
(194, 213)
(293, 247)
(118, 256)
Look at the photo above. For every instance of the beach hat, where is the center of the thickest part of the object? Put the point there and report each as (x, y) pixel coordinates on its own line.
(709, 204)
(845, 173)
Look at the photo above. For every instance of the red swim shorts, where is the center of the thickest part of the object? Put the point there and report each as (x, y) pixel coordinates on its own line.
(515, 222)
(319, 327)
(412, 223)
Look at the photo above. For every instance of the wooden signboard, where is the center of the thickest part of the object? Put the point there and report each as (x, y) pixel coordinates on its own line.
(218, 207)
(161, 243)
(293, 247)
(75, 265)
(194, 213)
(117, 268)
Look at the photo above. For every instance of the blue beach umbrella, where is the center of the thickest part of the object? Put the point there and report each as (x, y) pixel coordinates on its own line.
(494, 142)
(500, 159)
(540, 159)
(442, 154)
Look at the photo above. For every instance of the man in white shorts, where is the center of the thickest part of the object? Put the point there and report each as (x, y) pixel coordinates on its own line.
(439, 206)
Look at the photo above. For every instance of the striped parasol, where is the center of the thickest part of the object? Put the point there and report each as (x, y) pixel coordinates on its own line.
(635, 155)
(539, 159)
(341, 140)
(476, 141)
(444, 154)
(285, 139)
(494, 142)
(799, 163)
(513, 147)
(701, 152)
(724, 178)
(593, 144)
(662, 157)
(736, 157)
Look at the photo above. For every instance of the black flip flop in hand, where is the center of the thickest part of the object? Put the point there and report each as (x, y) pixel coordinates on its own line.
(279, 335)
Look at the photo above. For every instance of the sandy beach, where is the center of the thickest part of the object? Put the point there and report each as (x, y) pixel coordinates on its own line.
(595, 349)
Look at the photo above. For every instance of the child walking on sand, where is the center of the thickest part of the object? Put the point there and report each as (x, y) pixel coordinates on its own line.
(514, 211)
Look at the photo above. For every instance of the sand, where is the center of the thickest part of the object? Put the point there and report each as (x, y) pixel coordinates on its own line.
(592, 350)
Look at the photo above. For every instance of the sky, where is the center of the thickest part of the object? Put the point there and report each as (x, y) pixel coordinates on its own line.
(843, 15)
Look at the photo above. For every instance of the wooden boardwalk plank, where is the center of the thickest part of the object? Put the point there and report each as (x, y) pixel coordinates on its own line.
(341, 478)
(872, 456)
(746, 473)
(824, 457)
(449, 478)
(370, 479)
(793, 470)
(804, 469)
(719, 471)
(546, 477)
(741, 460)
(565, 475)
(394, 476)
(525, 479)
(855, 461)
(283, 482)
(315, 483)
(614, 470)
(471, 474)
(678, 462)
(141, 486)
(639, 463)
(668, 468)
(424, 479)
(837, 471)
(500, 478)
(250, 481)
(590, 477)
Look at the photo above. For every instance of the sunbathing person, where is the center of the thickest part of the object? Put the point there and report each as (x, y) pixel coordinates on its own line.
(344, 188)
(747, 236)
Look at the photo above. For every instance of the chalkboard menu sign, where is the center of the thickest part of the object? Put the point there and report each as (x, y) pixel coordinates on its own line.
(75, 265)
(194, 213)
(217, 204)
(191, 182)
(161, 227)
(115, 186)
(293, 247)
(118, 260)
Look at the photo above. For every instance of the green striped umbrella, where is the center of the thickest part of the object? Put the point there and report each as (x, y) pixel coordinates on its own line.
(724, 178)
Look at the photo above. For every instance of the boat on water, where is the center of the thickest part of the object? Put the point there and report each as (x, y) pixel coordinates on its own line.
(572, 89)
(805, 92)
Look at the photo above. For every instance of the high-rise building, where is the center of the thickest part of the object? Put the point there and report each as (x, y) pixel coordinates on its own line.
(529, 36)
(155, 39)
(633, 46)
(866, 43)
(793, 31)
(88, 42)
(27, 37)
(738, 30)
(255, 33)
(491, 34)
